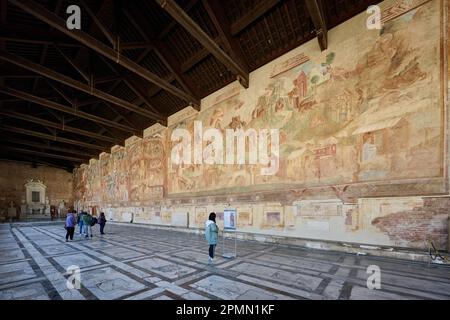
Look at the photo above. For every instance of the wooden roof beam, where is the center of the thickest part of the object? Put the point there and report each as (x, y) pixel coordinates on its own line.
(154, 90)
(73, 64)
(196, 31)
(33, 35)
(33, 161)
(315, 9)
(133, 83)
(51, 137)
(59, 91)
(254, 13)
(29, 65)
(196, 57)
(215, 10)
(59, 126)
(98, 23)
(66, 109)
(45, 154)
(136, 45)
(56, 22)
(108, 79)
(173, 23)
(161, 51)
(47, 146)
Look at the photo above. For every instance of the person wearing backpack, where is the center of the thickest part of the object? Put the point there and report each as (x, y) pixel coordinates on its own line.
(87, 219)
(94, 221)
(211, 234)
(102, 222)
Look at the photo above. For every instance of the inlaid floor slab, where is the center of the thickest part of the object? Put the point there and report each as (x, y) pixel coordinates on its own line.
(137, 262)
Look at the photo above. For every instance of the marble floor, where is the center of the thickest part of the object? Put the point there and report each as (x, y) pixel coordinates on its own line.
(135, 262)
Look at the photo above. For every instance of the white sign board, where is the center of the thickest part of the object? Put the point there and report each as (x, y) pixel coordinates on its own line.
(229, 219)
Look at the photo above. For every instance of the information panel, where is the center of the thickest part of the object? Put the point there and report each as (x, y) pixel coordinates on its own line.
(229, 219)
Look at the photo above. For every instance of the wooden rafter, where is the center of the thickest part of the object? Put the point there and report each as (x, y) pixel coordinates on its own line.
(108, 79)
(44, 154)
(117, 113)
(133, 83)
(196, 31)
(26, 34)
(173, 23)
(59, 126)
(47, 146)
(196, 57)
(140, 23)
(73, 64)
(120, 116)
(59, 91)
(56, 106)
(98, 23)
(136, 45)
(215, 10)
(260, 9)
(315, 9)
(56, 22)
(35, 161)
(51, 137)
(27, 64)
(155, 90)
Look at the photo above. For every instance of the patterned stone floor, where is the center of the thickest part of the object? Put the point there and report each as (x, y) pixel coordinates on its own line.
(132, 262)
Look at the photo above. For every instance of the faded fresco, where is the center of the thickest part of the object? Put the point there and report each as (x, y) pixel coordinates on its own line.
(360, 120)
(367, 114)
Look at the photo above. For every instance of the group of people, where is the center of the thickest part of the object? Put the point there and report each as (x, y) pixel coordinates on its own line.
(85, 222)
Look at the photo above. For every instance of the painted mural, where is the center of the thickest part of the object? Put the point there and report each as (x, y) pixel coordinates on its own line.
(368, 111)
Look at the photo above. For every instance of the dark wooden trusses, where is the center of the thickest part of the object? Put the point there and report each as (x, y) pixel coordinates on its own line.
(66, 95)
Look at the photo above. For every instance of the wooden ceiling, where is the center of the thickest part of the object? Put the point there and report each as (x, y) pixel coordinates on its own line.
(67, 95)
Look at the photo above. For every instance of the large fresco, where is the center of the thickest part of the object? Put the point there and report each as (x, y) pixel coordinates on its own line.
(367, 109)
(363, 119)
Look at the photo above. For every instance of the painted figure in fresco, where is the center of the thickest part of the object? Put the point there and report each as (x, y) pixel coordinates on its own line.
(369, 148)
(216, 119)
(236, 123)
(211, 234)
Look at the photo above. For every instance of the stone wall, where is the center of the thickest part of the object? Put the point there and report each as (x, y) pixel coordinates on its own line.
(14, 176)
(362, 132)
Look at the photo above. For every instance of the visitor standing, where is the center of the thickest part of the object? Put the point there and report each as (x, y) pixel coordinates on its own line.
(70, 225)
(87, 219)
(211, 234)
(102, 222)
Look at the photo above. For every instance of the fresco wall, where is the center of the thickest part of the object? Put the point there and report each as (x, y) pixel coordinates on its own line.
(362, 143)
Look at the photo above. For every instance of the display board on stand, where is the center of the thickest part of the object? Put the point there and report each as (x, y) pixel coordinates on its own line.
(229, 226)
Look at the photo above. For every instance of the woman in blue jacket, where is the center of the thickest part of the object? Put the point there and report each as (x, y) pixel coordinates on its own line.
(211, 234)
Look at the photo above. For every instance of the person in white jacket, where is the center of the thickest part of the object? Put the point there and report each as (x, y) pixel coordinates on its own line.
(211, 234)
